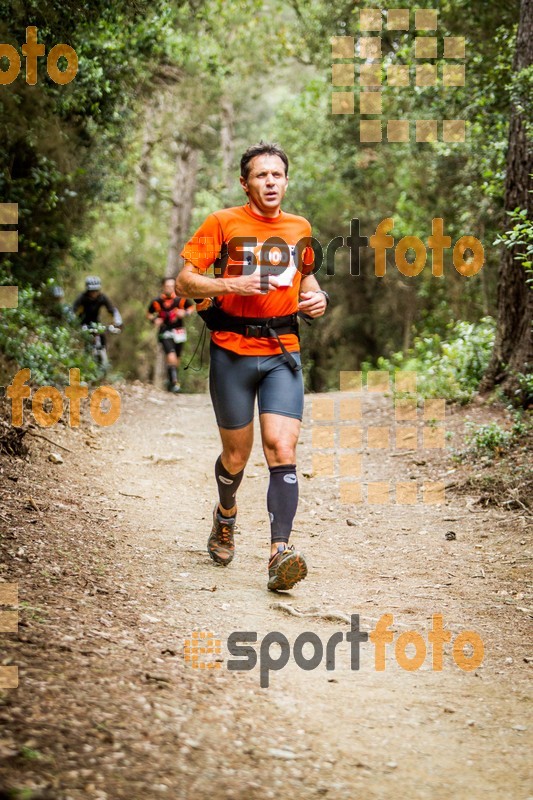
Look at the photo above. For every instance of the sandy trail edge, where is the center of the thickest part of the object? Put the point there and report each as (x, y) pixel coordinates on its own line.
(108, 702)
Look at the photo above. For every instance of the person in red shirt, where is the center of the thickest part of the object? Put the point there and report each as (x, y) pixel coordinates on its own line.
(261, 261)
(167, 313)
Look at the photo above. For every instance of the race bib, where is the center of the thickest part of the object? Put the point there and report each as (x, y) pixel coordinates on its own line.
(272, 260)
(177, 335)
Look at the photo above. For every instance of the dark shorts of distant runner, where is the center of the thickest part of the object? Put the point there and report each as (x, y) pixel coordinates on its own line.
(235, 381)
(172, 341)
(171, 347)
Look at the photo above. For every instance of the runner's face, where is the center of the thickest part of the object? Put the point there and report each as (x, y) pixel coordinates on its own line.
(266, 184)
(168, 288)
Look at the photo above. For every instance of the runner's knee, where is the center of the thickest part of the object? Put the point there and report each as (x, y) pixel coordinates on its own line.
(278, 453)
(235, 454)
(234, 460)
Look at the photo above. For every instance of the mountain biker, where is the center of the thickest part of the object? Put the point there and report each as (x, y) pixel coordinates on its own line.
(255, 346)
(167, 313)
(87, 306)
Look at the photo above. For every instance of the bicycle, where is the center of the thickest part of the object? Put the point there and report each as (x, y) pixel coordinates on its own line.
(97, 331)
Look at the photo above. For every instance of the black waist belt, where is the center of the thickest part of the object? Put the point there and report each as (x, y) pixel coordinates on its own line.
(254, 327)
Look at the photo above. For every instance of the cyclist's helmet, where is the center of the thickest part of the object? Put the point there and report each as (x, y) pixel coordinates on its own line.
(93, 283)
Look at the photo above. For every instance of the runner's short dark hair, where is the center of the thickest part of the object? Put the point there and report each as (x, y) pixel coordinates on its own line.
(262, 149)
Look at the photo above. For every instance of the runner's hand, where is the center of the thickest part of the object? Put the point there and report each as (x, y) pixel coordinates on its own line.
(253, 284)
(158, 321)
(312, 303)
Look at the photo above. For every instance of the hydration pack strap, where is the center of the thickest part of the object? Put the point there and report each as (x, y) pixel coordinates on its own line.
(254, 327)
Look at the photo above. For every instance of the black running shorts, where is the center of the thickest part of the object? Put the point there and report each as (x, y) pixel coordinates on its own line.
(170, 346)
(235, 381)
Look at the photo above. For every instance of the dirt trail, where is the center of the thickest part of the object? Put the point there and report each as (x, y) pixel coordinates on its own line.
(117, 713)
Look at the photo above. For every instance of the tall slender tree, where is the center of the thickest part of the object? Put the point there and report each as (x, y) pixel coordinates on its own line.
(513, 348)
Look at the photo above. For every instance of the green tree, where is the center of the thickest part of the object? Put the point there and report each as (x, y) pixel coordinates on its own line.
(513, 348)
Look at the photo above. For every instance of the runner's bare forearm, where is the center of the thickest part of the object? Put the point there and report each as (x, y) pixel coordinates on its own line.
(309, 284)
(193, 283)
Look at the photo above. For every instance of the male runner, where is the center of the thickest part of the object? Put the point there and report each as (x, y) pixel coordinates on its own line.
(167, 313)
(254, 346)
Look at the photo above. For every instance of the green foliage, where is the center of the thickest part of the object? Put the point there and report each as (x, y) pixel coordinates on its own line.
(58, 144)
(335, 178)
(492, 439)
(525, 383)
(522, 96)
(48, 348)
(30, 754)
(69, 155)
(21, 794)
(520, 239)
(450, 367)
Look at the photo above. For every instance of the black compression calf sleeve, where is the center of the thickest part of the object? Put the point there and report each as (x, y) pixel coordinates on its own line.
(282, 501)
(172, 374)
(227, 484)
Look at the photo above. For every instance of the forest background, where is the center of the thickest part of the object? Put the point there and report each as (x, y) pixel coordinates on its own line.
(114, 171)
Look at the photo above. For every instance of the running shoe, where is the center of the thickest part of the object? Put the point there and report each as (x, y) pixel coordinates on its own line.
(285, 568)
(220, 544)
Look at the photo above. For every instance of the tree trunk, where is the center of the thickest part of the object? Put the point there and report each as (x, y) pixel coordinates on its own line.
(183, 193)
(226, 140)
(483, 279)
(182, 204)
(144, 169)
(513, 348)
(160, 368)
